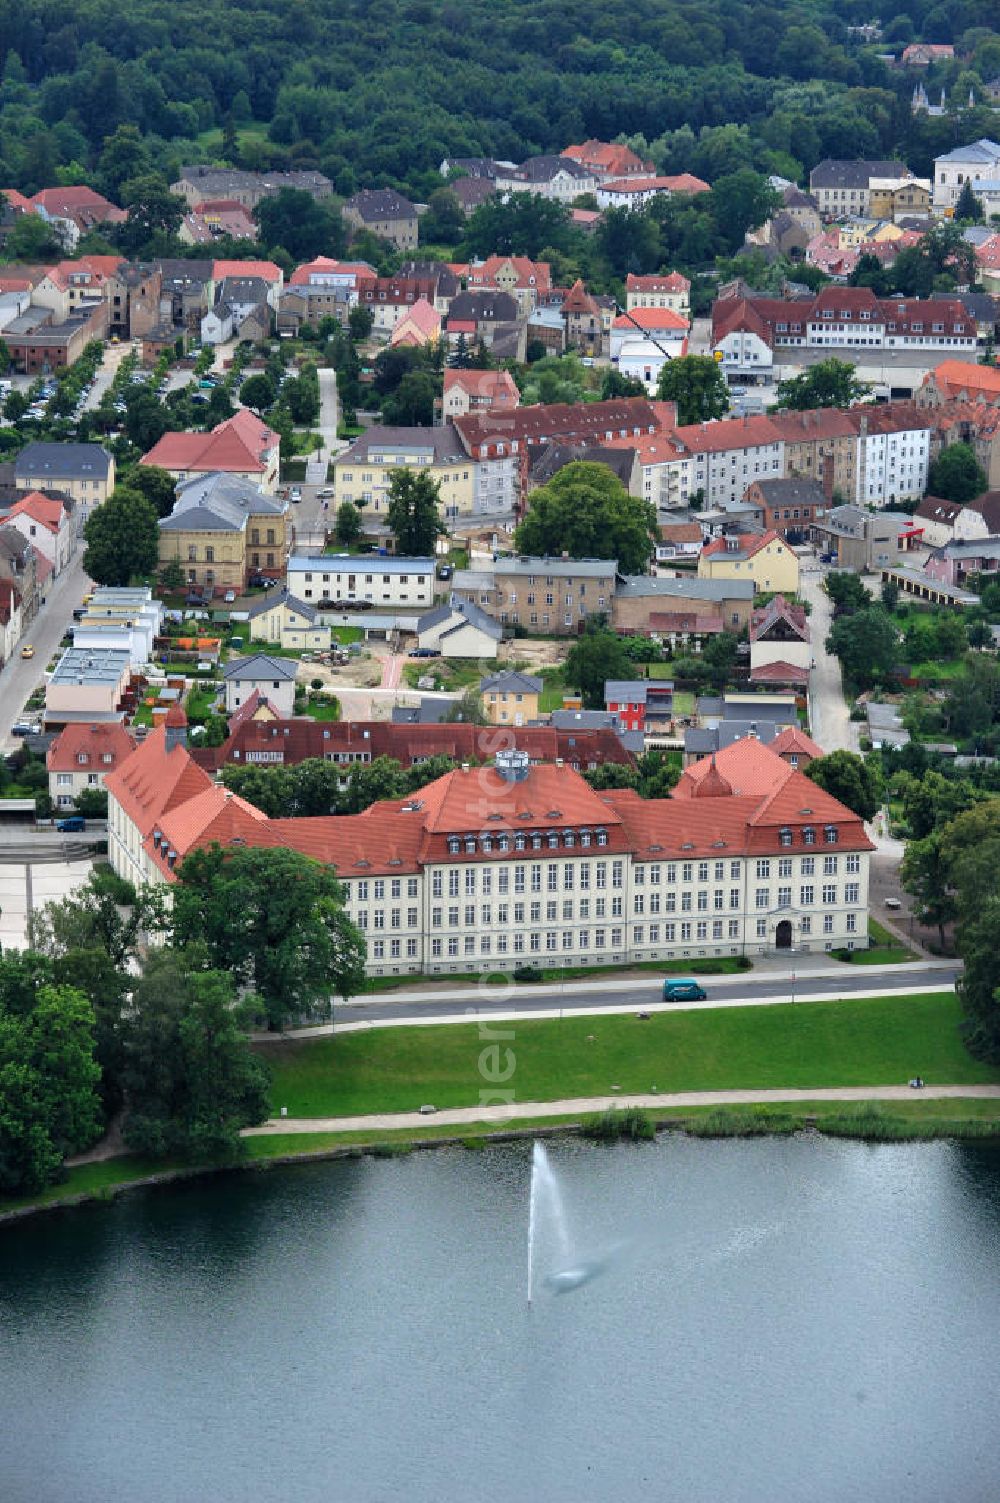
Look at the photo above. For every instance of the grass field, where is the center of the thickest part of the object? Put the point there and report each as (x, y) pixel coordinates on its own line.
(554, 686)
(864, 1041)
(723, 965)
(885, 949)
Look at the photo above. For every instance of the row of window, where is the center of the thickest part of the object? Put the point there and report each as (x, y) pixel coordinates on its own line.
(573, 872)
(523, 840)
(550, 941)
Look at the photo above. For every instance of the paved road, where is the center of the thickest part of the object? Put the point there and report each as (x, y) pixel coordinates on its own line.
(113, 356)
(830, 722)
(19, 677)
(328, 417)
(513, 1111)
(810, 985)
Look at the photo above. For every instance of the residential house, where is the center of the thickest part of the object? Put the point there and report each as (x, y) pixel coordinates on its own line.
(670, 290)
(975, 163)
(11, 622)
(340, 580)
(546, 460)
(979, 519)
(223, 529)
(478, 391)
(86, 472)
(49, 524)
(385, 213)
(679, 540)
(550, 596)
(779, 638)
(643, 341)
(892, 199)
(640, 704)
(126, 619)
(486, 318)
(727, 455)
(267, 272)
(958, 380)
(560, 178)
(609, 160)
(636, 192)
(216, 219)
(459, 630)
(958, 561)
(789, 505)
(765, 558)
(922, 54)
(418, 326)
(75, 211)
(521, 278)
(662, 469)
(242, 446)
(937, 519)
(510, 698)
(584, 321)
(197, 183)
(38, 343)
(844, 188)
(184, 293)
(363, 471)
(271, 678)
(793, 746)
(82, 756)
(21, 565)
(802, 208)
(281, 620)
(241, 311)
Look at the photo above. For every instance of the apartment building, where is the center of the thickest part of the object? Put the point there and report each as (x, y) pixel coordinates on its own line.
(362, 473)
(551, 596)
(342, 580)
(726, 456)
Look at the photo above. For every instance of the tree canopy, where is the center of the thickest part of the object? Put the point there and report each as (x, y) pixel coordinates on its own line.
(585, 511)
(956, 474)
(697, 385)
(122, 539)
(855, 781)
(414, 513)
(830, 383)
(275, 920)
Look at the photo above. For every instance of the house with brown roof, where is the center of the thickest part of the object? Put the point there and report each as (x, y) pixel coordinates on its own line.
(605, 159)
(669, 290)
(937, 517)
(525, 280)
(478, 391)
(644, 340)
(789, 506)
(420, 325)
(779, 634)
(242, 446)
(48, 523)
(82, 756)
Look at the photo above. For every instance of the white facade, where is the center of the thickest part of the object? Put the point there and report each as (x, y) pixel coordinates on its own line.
(216, 328)
(643, 356)
(724, 475)
(390, 582)
(892, 466)
(280, 691)
(744, 353)
(584, 908)
(978, 162)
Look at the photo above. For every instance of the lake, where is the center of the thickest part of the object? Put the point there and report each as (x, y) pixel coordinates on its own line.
(780, 1319)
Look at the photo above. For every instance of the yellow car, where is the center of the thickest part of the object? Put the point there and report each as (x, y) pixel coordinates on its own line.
(27, 652)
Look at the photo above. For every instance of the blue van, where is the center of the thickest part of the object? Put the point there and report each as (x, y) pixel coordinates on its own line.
(683, 989)
(70, 824)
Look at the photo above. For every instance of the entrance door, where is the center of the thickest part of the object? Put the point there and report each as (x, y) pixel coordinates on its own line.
(783, 935)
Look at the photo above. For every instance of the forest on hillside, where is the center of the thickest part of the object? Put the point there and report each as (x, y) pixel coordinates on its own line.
(377, 93)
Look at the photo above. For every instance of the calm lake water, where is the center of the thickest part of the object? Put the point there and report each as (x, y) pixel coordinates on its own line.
(789, 1320)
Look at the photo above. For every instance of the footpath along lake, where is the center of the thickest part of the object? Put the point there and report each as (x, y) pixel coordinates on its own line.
(762, 1320)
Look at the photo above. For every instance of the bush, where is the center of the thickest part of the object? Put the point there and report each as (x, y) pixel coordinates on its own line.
(629, 1122)
(739, 1124)
(527, 973)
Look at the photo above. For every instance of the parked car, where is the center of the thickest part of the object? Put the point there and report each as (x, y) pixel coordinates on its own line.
(71, 824)
(426, 652)
(683, 989)
(295, 494)
(24, 728)
(27, 651)
(326, 493)
(444, 571)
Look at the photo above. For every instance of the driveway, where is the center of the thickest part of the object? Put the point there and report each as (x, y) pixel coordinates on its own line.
(829, 718)
(113, 356)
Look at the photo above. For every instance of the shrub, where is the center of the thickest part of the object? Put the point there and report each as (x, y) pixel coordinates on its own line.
(629, 1122)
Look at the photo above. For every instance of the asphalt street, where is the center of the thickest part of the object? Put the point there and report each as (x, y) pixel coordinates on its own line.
(20, 676)
(583, 996)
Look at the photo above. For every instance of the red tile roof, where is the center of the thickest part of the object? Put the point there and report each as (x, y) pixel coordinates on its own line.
(750, 544)
(498, 387)
(793, 740)
(651, 318)
(42, 509)
(93, 742)
(673, 282)
(239, 445)
(266, 270)
(728, 433)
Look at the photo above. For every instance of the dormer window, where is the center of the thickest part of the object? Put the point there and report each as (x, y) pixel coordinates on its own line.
(503, 842)
(470, 845)
(808, 835)
(454, 845)
(785, 837)
(520, 842)
(553, 840)
(536, 842)
(830, 834)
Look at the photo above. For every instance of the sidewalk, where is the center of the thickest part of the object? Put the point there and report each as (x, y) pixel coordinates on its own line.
(498, 1116)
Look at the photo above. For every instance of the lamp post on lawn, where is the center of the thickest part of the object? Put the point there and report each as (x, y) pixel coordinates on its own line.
(792, 978)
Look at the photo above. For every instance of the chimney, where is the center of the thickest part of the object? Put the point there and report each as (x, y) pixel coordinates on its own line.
(826, 476)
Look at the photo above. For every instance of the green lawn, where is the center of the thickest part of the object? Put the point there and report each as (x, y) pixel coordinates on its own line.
(463, 674)
(722, 965)
(865, 1041)
(347, 634)
(885, 949)
(936, 670)
(554, 688)
(323, 710)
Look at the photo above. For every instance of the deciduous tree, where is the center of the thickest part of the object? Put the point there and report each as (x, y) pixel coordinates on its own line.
(830, 383)
(122, 539)
(414, 513)
(586, 512)
(697, 385)
(853, 780)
